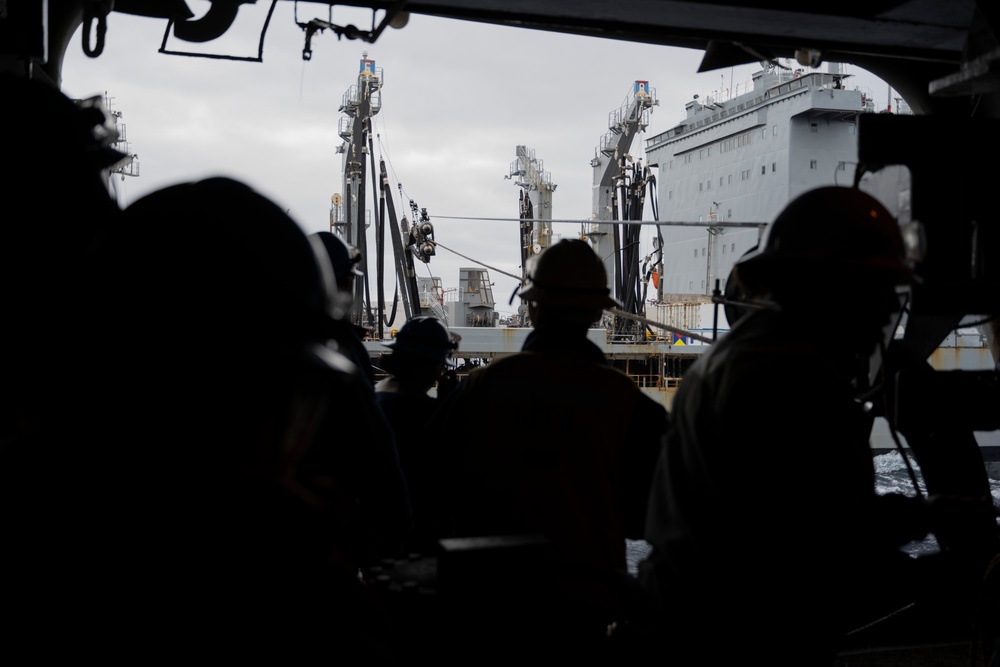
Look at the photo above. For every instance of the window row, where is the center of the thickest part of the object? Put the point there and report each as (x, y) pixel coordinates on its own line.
(723, 246)
(742, 140)
(747, 173)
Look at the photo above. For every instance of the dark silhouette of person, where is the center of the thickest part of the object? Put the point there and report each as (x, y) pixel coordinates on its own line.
(231, 474)
(575, 465)
(419, 356)
(768, 537)
(346, 260)
(56, 206)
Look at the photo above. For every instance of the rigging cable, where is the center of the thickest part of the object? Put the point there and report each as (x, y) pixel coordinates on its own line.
(367, 305)
(384, 320)
(616, 236)
(388, 160)
(384, 156)
(656, 256)
(493, 268)
(615, 311)
(380, 271)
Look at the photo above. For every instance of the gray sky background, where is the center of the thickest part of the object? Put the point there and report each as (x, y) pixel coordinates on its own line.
(457, 98)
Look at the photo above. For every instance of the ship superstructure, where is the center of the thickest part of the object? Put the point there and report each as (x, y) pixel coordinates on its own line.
(730, 166)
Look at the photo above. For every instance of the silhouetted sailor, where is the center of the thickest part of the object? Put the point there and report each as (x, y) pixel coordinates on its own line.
(768, 536)
(346, 260)
(55, 207)
(554, 442)
(420, 353)
(236, 472)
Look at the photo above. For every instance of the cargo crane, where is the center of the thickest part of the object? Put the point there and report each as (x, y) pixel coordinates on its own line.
(349, 217)
(618, 195)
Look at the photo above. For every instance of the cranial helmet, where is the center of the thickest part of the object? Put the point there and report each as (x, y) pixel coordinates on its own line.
(568, 274)
(836, 228)
(424, 336)
(345, 258)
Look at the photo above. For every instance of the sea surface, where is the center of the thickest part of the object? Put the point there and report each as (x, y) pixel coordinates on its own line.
(891, 476)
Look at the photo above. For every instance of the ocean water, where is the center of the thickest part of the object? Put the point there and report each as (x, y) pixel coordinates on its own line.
(891, 476)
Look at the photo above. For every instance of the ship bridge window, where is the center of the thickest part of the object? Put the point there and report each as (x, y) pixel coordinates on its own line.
(813, 127)
(763, 133)
(812, 164)
(734, 245)
(851, 128)
(774, 166)
(841, 166)
(763, 169)
(774, 130)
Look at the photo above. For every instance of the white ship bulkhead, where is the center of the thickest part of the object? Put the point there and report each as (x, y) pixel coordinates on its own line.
(740, 160)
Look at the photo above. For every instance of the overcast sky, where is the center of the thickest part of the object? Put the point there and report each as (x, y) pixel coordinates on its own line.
(457, 98)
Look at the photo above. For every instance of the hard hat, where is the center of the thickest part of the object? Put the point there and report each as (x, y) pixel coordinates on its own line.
(344, 257)
(830, 227)
(425, 336)
(568, 273)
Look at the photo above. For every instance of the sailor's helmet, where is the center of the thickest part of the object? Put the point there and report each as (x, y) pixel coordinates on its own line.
(344, 257)
(569, 274)
(831, 228)
(425, 336)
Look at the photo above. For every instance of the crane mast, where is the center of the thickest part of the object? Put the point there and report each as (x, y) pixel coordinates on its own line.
(348, 213)
(619, 184)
